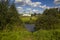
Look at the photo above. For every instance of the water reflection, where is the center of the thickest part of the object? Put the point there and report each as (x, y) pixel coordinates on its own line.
(30, 27)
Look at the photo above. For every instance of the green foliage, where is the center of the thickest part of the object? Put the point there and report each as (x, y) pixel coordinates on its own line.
(15, 35)
(3, 12)
(47, 35)
(10, 23)
(8, 15)
(13, 14)
(25, 35)
(47, 20)
(51, 12)
(28, 20)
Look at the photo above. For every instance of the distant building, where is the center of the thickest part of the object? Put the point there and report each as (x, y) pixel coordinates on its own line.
(26, 14)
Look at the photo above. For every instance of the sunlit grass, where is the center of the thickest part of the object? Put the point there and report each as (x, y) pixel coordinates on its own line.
(28, 19)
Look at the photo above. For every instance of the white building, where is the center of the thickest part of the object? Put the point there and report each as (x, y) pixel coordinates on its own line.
(26, 14)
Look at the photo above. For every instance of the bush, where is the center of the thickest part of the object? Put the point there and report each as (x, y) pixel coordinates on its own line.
(15, 35)
(47, 35)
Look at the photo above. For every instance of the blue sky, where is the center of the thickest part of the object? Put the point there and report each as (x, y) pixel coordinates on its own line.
(31, 6)
(45, 2)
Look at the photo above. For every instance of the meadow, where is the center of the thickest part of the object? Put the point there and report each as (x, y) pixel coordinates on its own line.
(21, 33)
(26, 35)
(28, 19)
(47, 24)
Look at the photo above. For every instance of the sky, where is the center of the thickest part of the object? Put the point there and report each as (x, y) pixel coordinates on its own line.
(35, 6)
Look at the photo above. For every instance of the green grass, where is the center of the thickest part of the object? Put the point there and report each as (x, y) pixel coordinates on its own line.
(25, 35)
(20, 33)
(47, 35)
(16, 35)
(25, 19)
(28, 19)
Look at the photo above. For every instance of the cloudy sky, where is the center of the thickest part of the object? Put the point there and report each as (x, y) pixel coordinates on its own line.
(32, 6)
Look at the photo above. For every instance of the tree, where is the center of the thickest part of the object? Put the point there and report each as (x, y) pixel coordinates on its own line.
(13, 17)
(51, 12)
(3, 12)
(8, 15)
(47, 20)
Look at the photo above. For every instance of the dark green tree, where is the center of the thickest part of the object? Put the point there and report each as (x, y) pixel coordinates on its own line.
(8, 15)
(51, 12)
(47, 20)
(3, 12)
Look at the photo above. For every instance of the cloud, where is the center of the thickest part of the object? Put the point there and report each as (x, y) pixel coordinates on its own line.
(34, 4)
(57, 1)
(36, 11)
(20, 9)
(18, 0)
(28, 9)
(33, 11)
(31, 4)
(27, 2)
(44, 7)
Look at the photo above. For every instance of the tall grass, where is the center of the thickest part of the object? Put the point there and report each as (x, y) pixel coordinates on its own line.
(15, 35)
(47, 35)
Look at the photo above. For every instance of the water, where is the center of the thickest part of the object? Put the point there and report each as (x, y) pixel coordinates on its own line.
(30, 27)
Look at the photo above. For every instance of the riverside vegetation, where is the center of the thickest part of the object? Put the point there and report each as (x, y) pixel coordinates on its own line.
(47, 25)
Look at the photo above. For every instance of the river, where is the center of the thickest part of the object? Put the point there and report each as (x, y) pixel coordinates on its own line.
(30, 27)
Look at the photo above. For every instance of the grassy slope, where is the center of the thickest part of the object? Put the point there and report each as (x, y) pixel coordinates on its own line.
(21, 34)
(25, 35)
(47, 35)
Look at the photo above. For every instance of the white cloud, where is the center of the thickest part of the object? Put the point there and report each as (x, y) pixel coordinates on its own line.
(31, 4)
(44, 7)
(36, 11)
(28, 2)
(28, 9)
(36, 4)
(18, 0)
(57, 1)
(20, 9)
(25, 1)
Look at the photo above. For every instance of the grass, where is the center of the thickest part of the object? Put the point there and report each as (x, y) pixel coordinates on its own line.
(47, 35)
(26, 35)
(24, 19)
(28, 19)
(16, 35)
(20, 33)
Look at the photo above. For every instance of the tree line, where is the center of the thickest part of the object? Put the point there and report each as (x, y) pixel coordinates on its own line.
(8, 15)
(48, 20)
